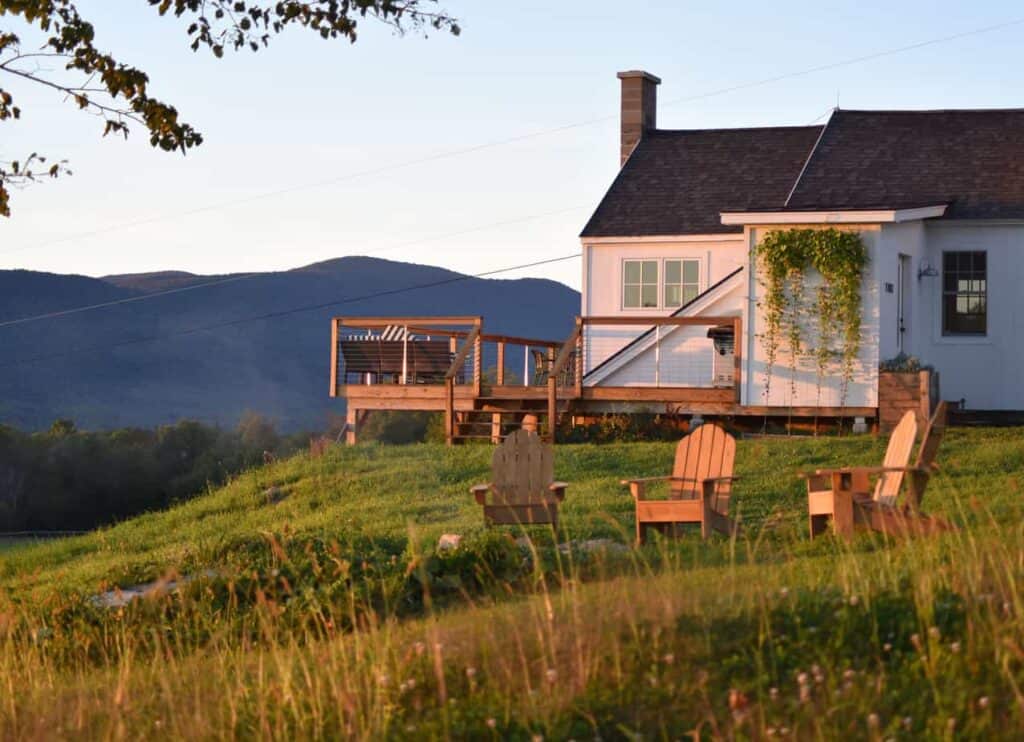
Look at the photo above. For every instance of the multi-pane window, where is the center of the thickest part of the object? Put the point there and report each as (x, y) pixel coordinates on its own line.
(640, 284)
(682, 281)
(964, 293)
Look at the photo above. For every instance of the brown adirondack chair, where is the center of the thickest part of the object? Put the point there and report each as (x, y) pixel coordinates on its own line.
(522, 490)
(700, 486)
(844, 494)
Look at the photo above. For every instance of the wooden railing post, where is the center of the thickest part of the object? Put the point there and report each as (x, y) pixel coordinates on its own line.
(334, 357)
(477, 363)
(737, 358)
(499, 372)
(552, 406)
(579, 357)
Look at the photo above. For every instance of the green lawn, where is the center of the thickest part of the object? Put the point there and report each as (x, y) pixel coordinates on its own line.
(326, 613)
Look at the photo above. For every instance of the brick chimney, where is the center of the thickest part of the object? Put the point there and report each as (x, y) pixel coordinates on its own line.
(639, 108)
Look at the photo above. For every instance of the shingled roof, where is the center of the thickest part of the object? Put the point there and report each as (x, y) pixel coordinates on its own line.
(678, 182)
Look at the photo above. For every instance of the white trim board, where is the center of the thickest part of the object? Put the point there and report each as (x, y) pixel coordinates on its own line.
(649, 239)
(868, 216)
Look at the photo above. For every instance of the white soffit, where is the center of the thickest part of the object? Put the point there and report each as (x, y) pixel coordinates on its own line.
(867, 216)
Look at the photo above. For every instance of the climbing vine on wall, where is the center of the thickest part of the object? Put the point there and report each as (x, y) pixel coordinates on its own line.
(784, 258)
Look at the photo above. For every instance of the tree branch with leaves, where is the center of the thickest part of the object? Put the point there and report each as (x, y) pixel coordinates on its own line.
(118, 93)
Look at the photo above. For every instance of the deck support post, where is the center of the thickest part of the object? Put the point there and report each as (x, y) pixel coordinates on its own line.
(527, 379)
(499, 372)
(495, 427)
(352, 420)
(449, 410)
(657, 355)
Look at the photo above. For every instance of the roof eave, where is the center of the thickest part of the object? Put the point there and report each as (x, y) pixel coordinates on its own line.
(833, 216)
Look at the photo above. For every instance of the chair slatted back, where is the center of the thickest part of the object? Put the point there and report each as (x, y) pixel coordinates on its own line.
(932, 438)
(901, 443)
(707, 452)
(522, 468)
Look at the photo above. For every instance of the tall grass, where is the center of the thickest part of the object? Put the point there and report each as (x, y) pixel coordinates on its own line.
(297, 635)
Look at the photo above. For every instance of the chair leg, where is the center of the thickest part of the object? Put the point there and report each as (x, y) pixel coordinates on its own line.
(842, 519)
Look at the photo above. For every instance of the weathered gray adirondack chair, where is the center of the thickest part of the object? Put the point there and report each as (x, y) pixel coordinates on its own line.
(844, 495)
(522, 489)
(700, 486)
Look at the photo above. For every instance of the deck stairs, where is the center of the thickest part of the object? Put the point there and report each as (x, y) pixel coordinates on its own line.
(492, 418)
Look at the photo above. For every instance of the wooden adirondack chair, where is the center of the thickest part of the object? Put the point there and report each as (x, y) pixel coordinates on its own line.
(700, 486)
(844, 494)
(522, 490)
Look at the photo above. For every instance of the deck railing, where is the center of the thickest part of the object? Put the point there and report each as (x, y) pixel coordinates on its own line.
(451, 352)
(699, 353)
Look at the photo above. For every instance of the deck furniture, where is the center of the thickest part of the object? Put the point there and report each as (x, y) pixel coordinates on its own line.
(379, 361)
(844, 495)
(522, 490)
(700, 486)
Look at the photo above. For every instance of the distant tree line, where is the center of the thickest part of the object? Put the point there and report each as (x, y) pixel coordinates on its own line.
(65, 479)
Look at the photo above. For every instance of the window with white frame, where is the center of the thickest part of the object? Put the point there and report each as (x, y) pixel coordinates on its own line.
(964, 293)
(640, 284)
(682, 282)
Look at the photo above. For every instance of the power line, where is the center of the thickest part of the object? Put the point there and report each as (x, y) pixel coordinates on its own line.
(245, 276)
(515, 139)
(284, 312)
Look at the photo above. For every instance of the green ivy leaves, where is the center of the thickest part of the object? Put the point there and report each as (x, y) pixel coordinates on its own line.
(784, 258)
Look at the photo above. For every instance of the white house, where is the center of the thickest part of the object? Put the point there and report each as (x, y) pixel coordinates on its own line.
(937, 198)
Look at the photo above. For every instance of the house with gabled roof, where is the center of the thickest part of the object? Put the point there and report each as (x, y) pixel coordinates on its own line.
(680, 314)
(936, 196)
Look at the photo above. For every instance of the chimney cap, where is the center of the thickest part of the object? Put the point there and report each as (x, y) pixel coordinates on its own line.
(626, 74)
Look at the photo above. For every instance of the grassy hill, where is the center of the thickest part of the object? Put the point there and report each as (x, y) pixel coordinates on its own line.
(321, 609)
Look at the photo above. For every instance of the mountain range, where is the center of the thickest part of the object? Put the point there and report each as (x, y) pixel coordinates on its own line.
(145, 363)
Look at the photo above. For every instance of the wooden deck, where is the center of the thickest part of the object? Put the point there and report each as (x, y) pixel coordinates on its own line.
(481, 394)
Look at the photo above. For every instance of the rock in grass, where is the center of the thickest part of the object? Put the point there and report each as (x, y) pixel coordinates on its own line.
(449, 541)
(274, 494)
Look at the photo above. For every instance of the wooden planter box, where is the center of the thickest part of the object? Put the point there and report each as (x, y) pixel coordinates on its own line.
(899, 391)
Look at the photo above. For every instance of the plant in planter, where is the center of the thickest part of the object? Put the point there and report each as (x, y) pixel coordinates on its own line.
(784, 259)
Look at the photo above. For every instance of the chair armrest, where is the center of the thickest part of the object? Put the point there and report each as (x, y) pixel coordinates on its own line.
(479, 492)
(643, 480)
(865, 470)
(558, 488)
(717, 480)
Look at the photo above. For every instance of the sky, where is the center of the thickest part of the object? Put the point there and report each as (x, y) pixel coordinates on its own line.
(311, 147)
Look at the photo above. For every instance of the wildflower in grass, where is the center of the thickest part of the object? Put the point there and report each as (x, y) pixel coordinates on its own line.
(887, 647)
(669, 658)
(934, 633)
(419, 648)
(854, 600)
(873, 721)
(773, 693)
(915, 639)
(950, 724)
(955, 647)
(983, 702)
(784, 592)
(411, 683)
(491, 723)
(382, 679)
(849, 674)
(552, 675)
(470, 672)
(907, 722)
